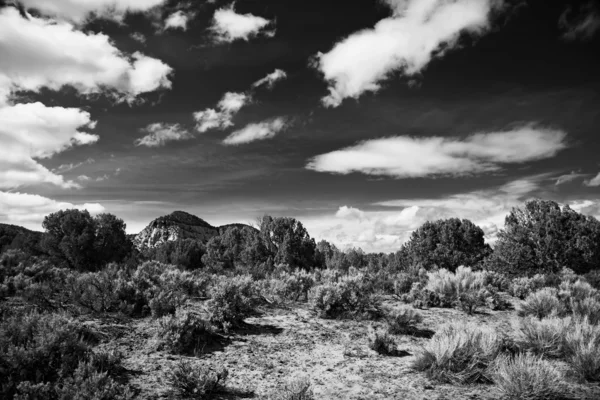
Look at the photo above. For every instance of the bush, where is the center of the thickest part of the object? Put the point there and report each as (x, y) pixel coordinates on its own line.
(196, 382)
(88, 382)
(464, 288)
(299, 388)
(404, 283)
(459, 353)
(523, 286)
(402, 320)
(543, 337)
(582, 348)
(527, 377)
(232, 301)
(542, 304)
(184, 333)
(39, 348)
(293, 286)
(350, 296)
(382, 342)
(496, 280)
(593, 278)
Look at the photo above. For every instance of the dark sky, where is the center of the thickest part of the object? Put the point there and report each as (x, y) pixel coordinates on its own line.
(503, 108)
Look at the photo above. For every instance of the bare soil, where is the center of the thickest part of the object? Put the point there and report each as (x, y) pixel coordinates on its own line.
(282, 342)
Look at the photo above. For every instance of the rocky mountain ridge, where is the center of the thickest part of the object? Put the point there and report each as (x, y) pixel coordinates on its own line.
(178, 225)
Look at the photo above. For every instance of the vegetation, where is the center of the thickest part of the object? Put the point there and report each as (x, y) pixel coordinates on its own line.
(69, 295)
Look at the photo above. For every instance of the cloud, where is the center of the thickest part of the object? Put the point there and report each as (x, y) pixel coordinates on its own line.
(561, 180)
(582, 23)
(270, 79)
(229, 26)
(79, 10)
(594, 182)
(406, 42)
(410, 157)
(38, 53)
(259, 131)
(71, 166)
(177, 20)
(29, 210)
(32, 131)
(159, 134)
(221, 117)
(346, 212)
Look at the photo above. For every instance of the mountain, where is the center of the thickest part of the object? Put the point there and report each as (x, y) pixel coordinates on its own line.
(178, 225)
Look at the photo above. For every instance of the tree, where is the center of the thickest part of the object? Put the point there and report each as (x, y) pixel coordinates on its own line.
(542, 237)
(83, 242)
(236, 246)
(445, 244)
(289, 241)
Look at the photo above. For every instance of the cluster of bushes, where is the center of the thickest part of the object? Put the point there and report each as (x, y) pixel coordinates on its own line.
(556, 323)
(50, 356)
(400, 321)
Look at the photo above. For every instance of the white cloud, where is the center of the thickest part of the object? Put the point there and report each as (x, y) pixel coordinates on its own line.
(29, 210)
(177, 20)
(594, 182)
(83, 178)
(418, 31)
(561, 180)
(582, 23)
(39, 53)
(71, 166)
(79, 10)
(346, 212)
(138, 37)
(408, 157)
(29, 132)
(221, 117)
(159, 134)
(270, 79)
(229, 26)
(259, 131)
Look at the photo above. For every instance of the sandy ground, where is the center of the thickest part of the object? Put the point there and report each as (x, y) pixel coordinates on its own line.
(283, 342)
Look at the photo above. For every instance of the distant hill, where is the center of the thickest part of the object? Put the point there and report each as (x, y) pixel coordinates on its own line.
(13, 236)
(178, 225)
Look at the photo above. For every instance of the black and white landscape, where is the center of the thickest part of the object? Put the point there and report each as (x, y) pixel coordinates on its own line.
(362, 199)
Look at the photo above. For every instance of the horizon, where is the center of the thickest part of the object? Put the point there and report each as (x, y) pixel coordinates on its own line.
(362, 127)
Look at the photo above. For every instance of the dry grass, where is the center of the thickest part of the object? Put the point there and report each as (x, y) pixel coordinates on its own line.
(459, 353)
(527, 377)
(542, 304)
(542, 337)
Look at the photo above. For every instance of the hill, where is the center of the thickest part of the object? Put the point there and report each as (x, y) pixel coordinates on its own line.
(178, 225)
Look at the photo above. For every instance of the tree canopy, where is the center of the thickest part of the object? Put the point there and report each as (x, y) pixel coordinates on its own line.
(542, 237)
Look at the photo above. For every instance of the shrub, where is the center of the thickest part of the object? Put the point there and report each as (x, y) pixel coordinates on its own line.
(543, 337)
(593, 278)
(527, 377)
(184, 333)
(89, 383)
(196, 382)
(459, 353)
(404, 283)
(298, 388)
(523, 286)
(582, 348)
(542, 304)
(45, 356)
(464, 288)
(381, 341)
(232, 301)
(496, 280)
(402, 320)
(350, 296)
(292, 286)
(39, 348)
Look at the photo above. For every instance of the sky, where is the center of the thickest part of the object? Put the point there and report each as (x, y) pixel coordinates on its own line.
(363, 118)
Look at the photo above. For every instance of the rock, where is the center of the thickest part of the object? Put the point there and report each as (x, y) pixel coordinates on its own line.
(178, 225)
